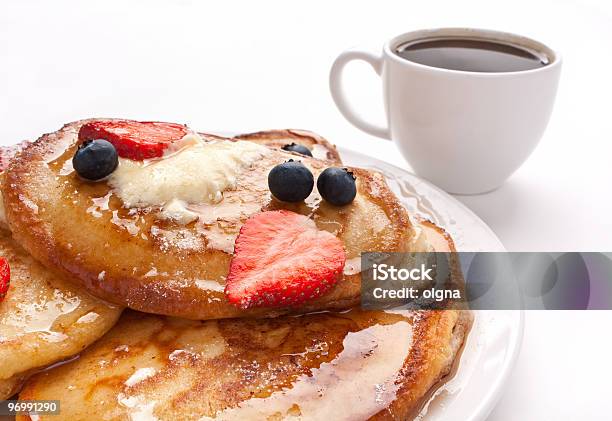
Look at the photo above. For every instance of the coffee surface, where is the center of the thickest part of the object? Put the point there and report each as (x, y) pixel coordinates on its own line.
(470, 55)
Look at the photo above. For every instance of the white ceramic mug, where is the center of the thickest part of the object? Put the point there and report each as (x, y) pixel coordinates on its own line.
(467, 132)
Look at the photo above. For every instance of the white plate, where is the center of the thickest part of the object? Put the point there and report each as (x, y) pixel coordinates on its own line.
(494, 342)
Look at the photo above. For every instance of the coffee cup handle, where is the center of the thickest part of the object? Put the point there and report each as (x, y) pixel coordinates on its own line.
(338, 94)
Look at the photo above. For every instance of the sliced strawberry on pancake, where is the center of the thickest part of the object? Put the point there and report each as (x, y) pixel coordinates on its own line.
(5, 277)
(282, 259)
(134, 139)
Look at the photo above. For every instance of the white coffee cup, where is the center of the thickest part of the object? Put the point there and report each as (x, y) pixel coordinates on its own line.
(465, 131)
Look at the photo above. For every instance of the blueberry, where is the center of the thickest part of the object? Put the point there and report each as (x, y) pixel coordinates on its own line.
(337, 186)
(95, 159)
(290, 181)
(294, 147)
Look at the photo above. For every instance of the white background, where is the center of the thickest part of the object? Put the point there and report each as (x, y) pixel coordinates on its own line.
(244, 66)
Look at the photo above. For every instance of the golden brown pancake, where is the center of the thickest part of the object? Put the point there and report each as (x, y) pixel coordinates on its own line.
(133, 259)
(353, 365)
(10, 386)
(43, 319)
(320, 147)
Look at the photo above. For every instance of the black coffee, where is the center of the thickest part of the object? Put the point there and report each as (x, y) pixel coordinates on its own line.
(470, 55)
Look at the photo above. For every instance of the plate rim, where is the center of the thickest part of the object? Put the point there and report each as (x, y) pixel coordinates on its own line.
(516, 317)
(516, 343)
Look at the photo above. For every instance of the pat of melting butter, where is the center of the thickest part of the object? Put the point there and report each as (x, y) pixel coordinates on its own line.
(199, 172)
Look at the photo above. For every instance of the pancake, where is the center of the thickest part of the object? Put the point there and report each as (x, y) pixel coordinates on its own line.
(351, 365)
(10, 386)
(320, 147)
(6, 154)
(43, 319)
(132, 258)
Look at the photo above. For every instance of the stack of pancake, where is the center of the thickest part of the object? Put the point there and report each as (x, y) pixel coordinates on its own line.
(121, 316)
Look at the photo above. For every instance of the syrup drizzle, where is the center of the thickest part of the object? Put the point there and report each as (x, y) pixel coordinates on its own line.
(325, 365)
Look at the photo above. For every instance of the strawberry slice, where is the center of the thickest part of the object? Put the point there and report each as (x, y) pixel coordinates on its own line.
(281, 259)
(5, 277)
(134, 139)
